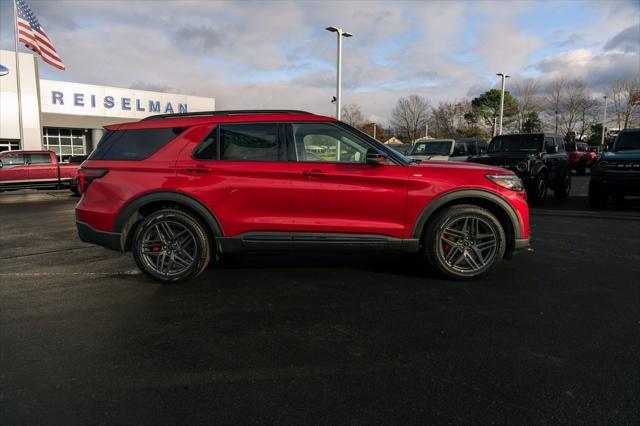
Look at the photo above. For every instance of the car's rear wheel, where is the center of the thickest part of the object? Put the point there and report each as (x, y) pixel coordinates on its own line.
(171, 246)
(598, 196)
(464, 242)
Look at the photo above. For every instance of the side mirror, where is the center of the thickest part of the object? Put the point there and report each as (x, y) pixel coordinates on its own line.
(376, 158)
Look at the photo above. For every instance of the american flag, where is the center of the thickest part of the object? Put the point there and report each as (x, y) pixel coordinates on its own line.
(33, 35)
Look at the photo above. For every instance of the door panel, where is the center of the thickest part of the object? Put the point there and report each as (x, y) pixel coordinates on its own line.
(14, 170)
(349, 198)
(246, 196)
(42, 169)
(335, 191)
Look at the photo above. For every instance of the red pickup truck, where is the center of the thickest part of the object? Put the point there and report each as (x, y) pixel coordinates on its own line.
(36, 169)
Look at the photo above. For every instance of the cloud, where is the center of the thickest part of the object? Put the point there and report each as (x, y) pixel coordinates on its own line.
(276, 54)
(627, 40)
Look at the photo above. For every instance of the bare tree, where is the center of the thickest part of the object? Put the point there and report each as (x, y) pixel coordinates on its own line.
(529, 101)
(447, 119)
(352, 115)
(631, 97)
(617, 96)
(555, 98)
(572, 105)
(410, 115)
(589, 116)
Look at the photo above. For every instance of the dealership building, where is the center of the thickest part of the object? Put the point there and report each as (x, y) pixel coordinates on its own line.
(68, 118)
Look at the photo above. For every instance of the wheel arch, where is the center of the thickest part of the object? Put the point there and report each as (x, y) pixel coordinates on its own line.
(136, 210)
(504, 212)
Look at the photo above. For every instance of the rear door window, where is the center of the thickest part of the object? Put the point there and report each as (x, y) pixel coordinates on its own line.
(249, 142)
(134, 144)
(40, 159)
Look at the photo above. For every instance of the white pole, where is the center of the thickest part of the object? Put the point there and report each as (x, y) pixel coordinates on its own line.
(426, 130)
(15, 25)
(501, 105)
(374, 130)
(604, 120)
(339, 79)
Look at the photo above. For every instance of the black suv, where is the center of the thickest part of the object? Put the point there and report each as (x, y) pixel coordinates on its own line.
(539, 159)
(617, 171)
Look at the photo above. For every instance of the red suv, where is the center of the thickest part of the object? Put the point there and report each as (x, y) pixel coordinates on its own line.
(180, 189)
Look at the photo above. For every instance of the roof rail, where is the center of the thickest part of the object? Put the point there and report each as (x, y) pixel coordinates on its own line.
(225, 113)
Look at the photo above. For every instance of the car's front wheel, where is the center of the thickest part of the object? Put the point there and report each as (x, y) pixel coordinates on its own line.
(537, 191)
(171, 246)
(464, 242)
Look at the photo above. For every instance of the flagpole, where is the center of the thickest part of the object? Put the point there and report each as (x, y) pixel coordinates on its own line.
(15, 24)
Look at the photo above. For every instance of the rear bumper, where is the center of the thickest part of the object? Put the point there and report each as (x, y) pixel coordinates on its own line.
(89, 234)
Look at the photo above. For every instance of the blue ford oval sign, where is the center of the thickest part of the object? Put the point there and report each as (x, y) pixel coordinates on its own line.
(3, 70)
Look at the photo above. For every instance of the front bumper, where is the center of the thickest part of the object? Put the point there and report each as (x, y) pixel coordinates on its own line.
(624, 182)
(88, 234)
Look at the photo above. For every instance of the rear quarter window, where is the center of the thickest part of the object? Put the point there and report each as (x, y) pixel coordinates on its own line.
(134, 144)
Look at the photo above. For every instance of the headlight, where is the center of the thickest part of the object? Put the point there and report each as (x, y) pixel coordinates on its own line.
(522, 166)
(511, 182)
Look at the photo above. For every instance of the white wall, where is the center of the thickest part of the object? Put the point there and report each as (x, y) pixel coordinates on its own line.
(9, 128)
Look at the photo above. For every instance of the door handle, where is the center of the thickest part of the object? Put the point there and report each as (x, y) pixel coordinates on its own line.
(314, 173)
(198, 170)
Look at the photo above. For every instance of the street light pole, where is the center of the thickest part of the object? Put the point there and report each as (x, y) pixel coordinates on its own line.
(504, 78)
(604, 120)
(340, 33)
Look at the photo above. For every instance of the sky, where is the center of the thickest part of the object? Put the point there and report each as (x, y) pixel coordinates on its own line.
(277, 54)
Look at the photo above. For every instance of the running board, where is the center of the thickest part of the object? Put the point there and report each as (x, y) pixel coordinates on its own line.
(286, 241)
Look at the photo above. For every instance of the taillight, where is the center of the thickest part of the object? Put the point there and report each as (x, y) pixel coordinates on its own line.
(86, 176)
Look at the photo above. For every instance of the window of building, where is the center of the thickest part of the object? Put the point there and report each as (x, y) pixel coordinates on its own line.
(9, 145)
(64, 142)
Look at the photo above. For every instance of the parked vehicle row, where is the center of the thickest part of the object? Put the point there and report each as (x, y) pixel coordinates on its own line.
(36, 169)
(580, 156)
(183, 189)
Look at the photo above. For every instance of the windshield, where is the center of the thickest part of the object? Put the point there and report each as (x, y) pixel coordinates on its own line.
(627, 141)
(432, 148)
(516, 143)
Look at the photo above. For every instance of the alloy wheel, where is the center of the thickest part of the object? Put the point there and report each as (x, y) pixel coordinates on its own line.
(468, 244)
(168, 248)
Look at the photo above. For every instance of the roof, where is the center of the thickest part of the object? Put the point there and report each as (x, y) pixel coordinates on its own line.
(213, 117)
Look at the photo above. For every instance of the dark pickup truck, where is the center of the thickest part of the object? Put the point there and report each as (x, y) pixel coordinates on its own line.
(36, 169)
(539, 159)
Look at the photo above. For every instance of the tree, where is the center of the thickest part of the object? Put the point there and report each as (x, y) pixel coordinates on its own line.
(532, 123)
(572, 104)
(378, 133)
(485, 109)
(555, 98)
(631, 96)
(589, 115)
(529, 101)
(352, 115)
(410, 116)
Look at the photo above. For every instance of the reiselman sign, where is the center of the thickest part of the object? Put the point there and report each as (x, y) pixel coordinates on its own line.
(89, 100)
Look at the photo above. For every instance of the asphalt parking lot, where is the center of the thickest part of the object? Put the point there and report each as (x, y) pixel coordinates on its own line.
(553, 336)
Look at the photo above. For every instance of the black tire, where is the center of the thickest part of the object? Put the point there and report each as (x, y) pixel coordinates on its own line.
(618, 198)
(75, 190)
(537, 191)
(563, 187)
(598, 196)
(188, 247)
(434, 246)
